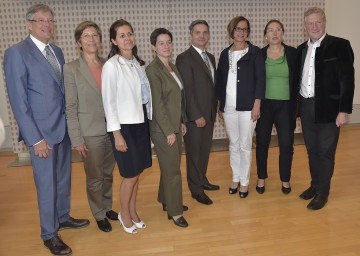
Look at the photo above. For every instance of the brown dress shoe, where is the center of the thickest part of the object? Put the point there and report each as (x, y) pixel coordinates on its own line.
(74, 223)
(57, 246)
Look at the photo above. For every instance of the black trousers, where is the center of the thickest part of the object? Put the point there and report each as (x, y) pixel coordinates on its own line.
(275, 112)
(321, 141)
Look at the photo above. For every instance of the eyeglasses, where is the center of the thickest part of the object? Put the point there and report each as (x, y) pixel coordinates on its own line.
(87, 37)
(270, 31)
(238, 29)
(42, 22)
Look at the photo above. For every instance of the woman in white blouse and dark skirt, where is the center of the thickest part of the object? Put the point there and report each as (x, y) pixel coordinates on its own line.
(127, 104)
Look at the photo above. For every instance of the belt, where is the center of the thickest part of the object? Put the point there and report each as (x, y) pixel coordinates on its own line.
(308, 99)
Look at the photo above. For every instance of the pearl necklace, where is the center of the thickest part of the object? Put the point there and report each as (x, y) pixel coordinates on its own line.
(232, 67)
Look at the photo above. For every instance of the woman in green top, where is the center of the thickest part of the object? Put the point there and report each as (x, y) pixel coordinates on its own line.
(278, 107)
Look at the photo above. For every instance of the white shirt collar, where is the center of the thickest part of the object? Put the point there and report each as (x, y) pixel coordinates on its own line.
(317, 42)
(198, 49)
(38, 43)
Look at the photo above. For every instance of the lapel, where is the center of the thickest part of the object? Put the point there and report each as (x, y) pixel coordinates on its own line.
(38, 55)
(167, 73)
(197, 57)
(86, 73)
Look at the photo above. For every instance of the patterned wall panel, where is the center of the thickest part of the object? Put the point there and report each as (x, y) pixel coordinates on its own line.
(145, 16)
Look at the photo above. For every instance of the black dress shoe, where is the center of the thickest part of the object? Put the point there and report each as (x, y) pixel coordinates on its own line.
(112, 215)
(318, 202)
(260, 190)
(181, 222)
(308, 194)
(211, 187)
(285, 190)
(243, 194)
(74, 223)
(185, 208)
(104, 225)
(57, 246)
(202, 198)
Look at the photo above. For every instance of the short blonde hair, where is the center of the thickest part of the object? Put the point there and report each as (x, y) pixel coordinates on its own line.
(313, 10)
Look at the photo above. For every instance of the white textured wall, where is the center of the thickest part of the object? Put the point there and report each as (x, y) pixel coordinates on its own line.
(145, 16)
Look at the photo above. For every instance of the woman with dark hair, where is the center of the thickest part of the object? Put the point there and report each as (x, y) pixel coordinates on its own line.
(127, 104)
(278, 107)
(167, 126)
(240, 87)
(86, 122)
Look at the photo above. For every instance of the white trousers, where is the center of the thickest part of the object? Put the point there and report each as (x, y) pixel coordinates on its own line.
(240, 129)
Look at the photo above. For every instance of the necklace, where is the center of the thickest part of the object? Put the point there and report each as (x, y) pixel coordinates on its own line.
(232, 62)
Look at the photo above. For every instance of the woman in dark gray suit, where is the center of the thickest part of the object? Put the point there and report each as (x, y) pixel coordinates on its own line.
(166, 127)
(86, 122)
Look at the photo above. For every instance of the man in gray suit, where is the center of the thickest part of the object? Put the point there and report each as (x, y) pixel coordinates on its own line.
(33, 71)
(197, 68)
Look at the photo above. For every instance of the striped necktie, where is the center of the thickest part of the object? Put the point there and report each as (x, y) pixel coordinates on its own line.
(206, 60)
(53, 62)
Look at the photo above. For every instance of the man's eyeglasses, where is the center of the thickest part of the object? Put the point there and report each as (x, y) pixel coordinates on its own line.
(42, 22)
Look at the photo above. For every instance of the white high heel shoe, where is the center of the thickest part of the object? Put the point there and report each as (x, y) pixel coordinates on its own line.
(139, 224)
(130, 230)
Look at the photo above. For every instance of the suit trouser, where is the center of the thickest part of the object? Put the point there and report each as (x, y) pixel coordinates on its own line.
(240, 129)
(99, 165)
(321, 142)
(197, 144)
(170, 187)
(52, 180)
(275, 112)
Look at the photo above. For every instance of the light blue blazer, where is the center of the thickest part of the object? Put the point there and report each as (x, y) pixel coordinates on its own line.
(36, 96)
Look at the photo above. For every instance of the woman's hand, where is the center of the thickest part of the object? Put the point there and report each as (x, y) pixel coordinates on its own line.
(255, 112)
(171, 138)
(81, 149)
(183, 129)
(120, 143)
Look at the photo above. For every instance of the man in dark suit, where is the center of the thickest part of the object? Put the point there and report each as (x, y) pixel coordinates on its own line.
(326, 95)
(197, 68)
(33, 71)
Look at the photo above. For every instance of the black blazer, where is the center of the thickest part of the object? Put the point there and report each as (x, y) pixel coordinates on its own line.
(334, 77)
(250, 78)
(291, 58)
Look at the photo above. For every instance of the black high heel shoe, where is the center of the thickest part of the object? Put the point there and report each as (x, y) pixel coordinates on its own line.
(285, 190)
(234, 190)
(260, 190)
(243, 194)
(181, 222)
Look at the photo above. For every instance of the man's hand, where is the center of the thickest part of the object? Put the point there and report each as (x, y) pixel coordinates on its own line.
(42, 149)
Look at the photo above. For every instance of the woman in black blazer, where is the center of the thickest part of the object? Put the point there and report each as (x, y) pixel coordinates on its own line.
(278, 107)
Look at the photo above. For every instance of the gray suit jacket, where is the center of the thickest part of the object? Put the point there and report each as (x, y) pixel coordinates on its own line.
(84, 107)
(199, 85)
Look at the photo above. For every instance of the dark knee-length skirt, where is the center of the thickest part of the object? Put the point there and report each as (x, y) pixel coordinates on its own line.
(138, 156)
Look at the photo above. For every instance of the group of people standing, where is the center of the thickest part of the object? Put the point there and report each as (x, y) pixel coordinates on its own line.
(107, 110)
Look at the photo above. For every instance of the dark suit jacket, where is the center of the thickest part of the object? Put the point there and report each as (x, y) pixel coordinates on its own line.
(84, 108)
(291, 58)
(334, 77)
(250, 78)
(36, 95)
(167, 99)
(199, 85)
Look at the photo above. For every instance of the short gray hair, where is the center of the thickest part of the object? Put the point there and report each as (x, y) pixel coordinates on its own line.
(37, 8)
(197, 22)
(313, 10)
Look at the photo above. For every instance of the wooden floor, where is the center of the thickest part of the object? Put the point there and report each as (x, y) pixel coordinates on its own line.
(268, 224)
